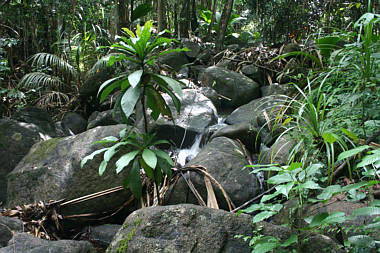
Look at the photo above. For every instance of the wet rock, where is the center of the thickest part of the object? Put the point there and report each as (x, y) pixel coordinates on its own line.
(51, 171)
(283, 89)
(36, 116)
(16, 138)
(194, 49)
(106, 118)
(103, 234)
(197, 113)
(182, 229)
(174, 60)
(26, 243)
(279, 152)
(74, 122)
(244, 131)
(8, 226)
(253, 72)
(224, 160)
(236, 89)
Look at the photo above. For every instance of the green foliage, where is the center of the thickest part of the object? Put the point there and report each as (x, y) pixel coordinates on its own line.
(154, 162)
(298, 184)
(142, 85)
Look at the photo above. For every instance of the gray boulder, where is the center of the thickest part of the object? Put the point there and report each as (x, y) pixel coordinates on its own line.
(51, 171)
(194, 49)
(103, 234)
(276, 89)
(26, 243)
(37, 116)
(182, 229)
(224, 160)
(279, 152)
(105, 118)
(197, 113)
(74, 122)
(253, 72)
(236, 88)
(8, 225)
(244, 131)
(16, 138)
(253, 112)
(174, 60)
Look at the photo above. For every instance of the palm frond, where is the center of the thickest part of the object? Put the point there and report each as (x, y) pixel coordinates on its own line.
(40, 80)
(55, 62)
(101, 64)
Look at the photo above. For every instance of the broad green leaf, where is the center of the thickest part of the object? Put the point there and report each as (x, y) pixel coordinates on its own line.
(318, 219)
(354, 186)
(148, 170)
(269, 197)
(135, 77)
(352, 152)
(150, 158)
(140, 11)
(129, 32)
(165, 156)
(350, 134)
(337, 217)
(91, 156)
(280, 178)
(133, 180)
(265, 247)
(369, 159)
(165, 166)
(125, 160)
(310, 185)
(102, 167)
(156, 103)
(129, 100)
(173, 84)
(285, 189)
(362, 242)
(158, 176)
(367, 211)
(253, 208)
(329, 191)
(109, 139)
(111, 152)
(292, 239)
(262, 216)
(329, 137)
(159, 142)
(106, 83)
(294, 166)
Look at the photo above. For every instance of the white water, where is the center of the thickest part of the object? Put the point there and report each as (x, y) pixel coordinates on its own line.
(186, 154)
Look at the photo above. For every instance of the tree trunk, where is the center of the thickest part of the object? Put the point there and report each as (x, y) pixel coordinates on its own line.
(122, 11)
(194, 21)
(212, 20)
(161, 15)
(223, 23)
(184, 19)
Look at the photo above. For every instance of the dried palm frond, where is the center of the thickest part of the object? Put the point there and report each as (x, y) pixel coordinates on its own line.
(53, 99)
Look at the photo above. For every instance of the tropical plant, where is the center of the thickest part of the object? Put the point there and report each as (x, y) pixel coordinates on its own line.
(311, 126)
(144, 86)
(154, 162)
(298, 185)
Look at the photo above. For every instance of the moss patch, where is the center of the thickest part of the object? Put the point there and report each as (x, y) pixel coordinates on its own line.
(42, 150)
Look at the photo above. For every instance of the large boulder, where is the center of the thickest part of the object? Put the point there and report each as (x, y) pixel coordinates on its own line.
(236, 88)
(27, 243)
(244, 131)
(174, 60)
(8, 226)
(253, 72)
(51, 171)
(16, 138)
(106, 118)
(224, 160)
(279, 152)
(37, 116)
(197, 113)
(74, 123)
(182, 229)
(102, 234)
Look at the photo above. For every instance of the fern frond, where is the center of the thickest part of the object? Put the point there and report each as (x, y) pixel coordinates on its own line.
(40, 80)
(101, 64)
(55, 62)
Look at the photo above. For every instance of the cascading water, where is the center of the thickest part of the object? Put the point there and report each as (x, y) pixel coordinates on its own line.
(185, 155)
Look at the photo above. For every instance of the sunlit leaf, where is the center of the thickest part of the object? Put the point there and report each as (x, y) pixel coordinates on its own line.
(125, 160)
(150, 158)
(129, 100)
